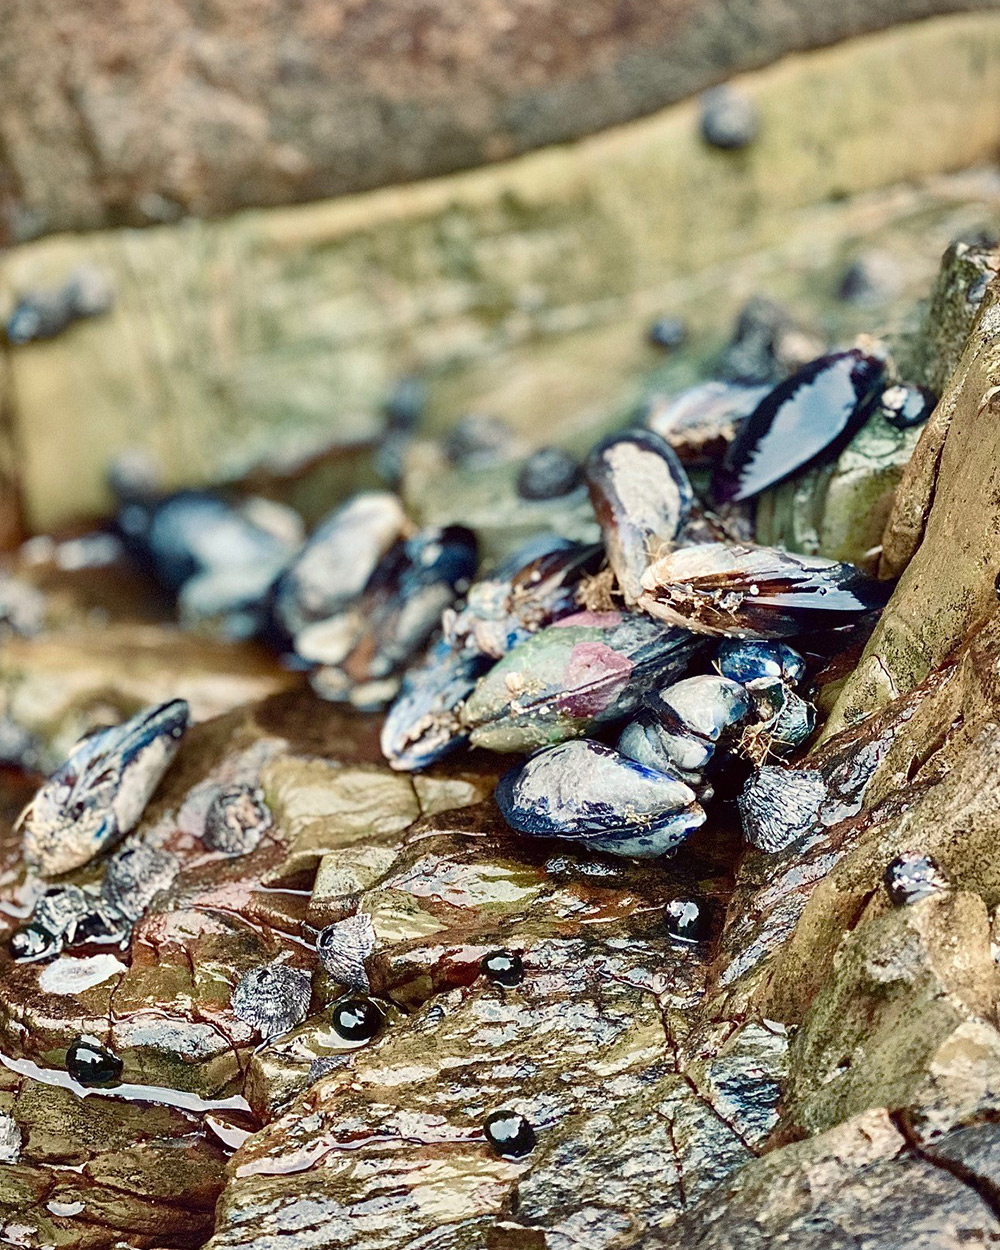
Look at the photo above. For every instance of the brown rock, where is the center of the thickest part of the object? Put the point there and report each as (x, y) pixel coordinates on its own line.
(266, 343)
(856, 1187)
(146, 112)
(945, 517)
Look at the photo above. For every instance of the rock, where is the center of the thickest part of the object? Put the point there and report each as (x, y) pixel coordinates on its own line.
(872, 279)
(298, 106)
(840, 511)
(857, 1185)
(931, 353)
(60, 685)
(906, 983)
(487, 499)
(98, 1169)
(522, 290)
(823, 1071)
(595, 1074)
(939, 536)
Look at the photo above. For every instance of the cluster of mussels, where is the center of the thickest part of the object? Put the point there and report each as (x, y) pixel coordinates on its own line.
(584, 655)
(594, 656)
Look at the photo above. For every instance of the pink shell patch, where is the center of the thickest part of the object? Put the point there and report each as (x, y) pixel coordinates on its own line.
(595, 676)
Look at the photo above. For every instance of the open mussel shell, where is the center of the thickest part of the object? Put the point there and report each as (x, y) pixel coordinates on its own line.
(641, 495)
(590, 793)
(423, 724)
(807, 418)
(587, 670)
(756, 592)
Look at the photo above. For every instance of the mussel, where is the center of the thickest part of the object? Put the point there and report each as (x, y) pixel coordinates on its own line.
(756, 592)
(701, 423)
(907, 406)
(641, 495)
(760, 660)
(423, 724)
(364, 651)
(537, 585)
(586, 670)
(786, 719)
(590, 793)
(805, 419)
(95, 798)
(684, 723)
(534, 587)
(334, 566)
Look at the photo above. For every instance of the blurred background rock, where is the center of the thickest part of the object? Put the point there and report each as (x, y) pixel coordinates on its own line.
(307, 243)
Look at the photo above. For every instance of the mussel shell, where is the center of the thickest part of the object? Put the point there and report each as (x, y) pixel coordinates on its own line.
(645, 740)
(236, 598)
(756, 592)
(788, 719)
(806, 419)
(701, 422)
(423, 725)
(192, 532)
(334, 566)
(406, 595)
(706, 705)
(760, 660)
(907, 406)
(588, 792)
(331, 641)
(587, 670)
(682, 724)
(641, 495)
(529, 591)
